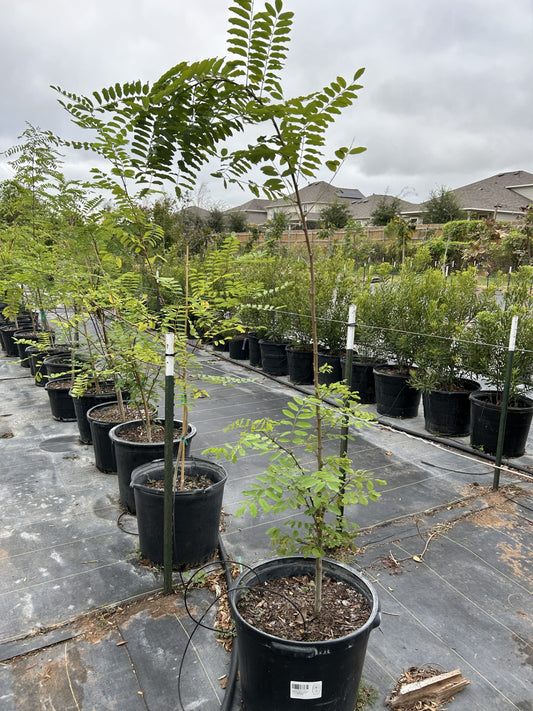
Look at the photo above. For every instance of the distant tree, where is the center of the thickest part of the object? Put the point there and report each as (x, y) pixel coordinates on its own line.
(165, 213)
(274, 228)
(236, 221)
(387, 208)
(401, 231)
(215, 221)
(442, 207)
(335, 215)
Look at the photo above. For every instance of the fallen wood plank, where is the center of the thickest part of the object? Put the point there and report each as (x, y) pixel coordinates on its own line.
(435, 688)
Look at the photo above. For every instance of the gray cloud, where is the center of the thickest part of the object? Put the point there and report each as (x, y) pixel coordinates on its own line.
(447, 87)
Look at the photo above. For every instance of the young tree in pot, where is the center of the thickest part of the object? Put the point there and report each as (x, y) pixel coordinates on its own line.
(442, 372)
(299, 335)
(262, 315)
(394, 313)
(335, 286)
(33, 237)
(293, 149)
(487, 357)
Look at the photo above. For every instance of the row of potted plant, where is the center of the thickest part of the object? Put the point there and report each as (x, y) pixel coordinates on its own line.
(421, 336)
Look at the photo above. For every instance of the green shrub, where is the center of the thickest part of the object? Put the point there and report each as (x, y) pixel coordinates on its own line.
(465, 230)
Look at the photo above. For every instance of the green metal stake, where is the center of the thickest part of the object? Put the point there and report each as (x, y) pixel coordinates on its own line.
(168, 508)
(350, 337)
(505, 403)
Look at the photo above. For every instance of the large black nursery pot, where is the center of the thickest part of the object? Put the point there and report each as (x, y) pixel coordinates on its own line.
(61, 404)
(221, 346)
(447, 412)
(27, 335)
(7, 333)
(63, 364)
(36, 357)
(130, 455)
(335, 375)
(239, 348)
(485, 416)
(300, 366)
(254, 350)
(282, 675)
(196, 513)
(103, 448)
(363, 381)
(394, 396)
(274, 357)
(85, 402)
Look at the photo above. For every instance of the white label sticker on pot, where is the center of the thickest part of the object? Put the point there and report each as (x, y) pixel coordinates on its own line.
(306, 690)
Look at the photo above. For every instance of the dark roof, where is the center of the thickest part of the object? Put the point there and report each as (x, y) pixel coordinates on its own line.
(363, 209)
(321, 192)
(253, 205)
(196, 211)
(494, 191)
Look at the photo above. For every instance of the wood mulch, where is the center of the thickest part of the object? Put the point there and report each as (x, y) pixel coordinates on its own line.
(59, 384)
(102, 388)
(140, 433)
(190, 483)
(112, 414)
(284, 608)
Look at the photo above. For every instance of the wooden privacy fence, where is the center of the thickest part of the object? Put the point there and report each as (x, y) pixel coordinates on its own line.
(294, 238)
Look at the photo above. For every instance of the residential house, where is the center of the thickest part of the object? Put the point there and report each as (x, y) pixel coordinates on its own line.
(363, 209)
(255, 210)
(503, 197)
(315, 197)
(195, 213)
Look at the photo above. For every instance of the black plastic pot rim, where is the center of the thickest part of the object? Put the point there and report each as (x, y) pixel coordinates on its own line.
(380, 370)
(299, 349)
(273, 342)
(79, 397)
(373, 621)
(485, 398)
(469, 386)
(113, 433)
(102, 406)
(50, 381)
(158, 473)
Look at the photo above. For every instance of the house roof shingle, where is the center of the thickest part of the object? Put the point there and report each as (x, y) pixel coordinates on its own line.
(494, 192)
(363, 209)
(321, 192)
(253, 205)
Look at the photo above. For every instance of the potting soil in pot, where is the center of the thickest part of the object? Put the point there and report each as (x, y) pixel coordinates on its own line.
(284, 607)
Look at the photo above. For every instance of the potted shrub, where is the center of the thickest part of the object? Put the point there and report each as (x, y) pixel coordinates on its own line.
(299, 349)
(442, 373)
(386, 345)
(262, 315)
(335, 293)
(140, 359)
(487, 357)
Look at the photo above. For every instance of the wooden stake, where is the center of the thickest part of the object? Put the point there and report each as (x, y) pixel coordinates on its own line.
(435, 688)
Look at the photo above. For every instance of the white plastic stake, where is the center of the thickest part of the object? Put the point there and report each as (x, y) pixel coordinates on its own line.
(169, 354)
(350, 333)
(512, 337)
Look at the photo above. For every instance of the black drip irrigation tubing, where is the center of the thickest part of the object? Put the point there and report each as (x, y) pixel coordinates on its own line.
(451, 444)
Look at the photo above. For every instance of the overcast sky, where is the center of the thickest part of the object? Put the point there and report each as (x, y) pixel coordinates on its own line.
(447, 94)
